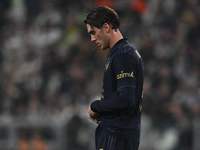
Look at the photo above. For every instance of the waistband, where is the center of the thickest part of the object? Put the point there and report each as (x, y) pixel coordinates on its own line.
(125, 134)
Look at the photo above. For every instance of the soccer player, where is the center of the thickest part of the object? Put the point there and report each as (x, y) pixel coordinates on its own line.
(118, 113)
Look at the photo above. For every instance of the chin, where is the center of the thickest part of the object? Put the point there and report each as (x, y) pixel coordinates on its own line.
(104, 48)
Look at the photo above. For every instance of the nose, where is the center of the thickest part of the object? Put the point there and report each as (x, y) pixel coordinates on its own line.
(93, 38)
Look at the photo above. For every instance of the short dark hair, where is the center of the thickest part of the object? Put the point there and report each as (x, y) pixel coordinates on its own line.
(100, 15)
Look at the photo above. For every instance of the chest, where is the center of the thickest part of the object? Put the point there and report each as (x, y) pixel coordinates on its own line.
(109, 78)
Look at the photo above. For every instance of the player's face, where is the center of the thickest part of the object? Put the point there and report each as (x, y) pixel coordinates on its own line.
(99, 36)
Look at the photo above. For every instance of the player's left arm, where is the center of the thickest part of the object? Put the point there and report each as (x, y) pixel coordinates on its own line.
(125, 68)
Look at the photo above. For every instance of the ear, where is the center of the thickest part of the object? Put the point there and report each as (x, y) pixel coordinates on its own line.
(107, 27)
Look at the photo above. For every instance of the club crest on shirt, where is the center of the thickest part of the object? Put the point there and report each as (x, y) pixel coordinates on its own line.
(106, 66)
(124, 75)
(140, 106)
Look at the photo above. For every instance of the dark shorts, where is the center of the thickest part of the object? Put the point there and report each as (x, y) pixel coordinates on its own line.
(104, 141)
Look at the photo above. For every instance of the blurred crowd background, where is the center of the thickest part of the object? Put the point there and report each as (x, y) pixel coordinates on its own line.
(50, 71)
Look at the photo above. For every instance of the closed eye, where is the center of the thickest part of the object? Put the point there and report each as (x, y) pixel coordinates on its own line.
(92, 32)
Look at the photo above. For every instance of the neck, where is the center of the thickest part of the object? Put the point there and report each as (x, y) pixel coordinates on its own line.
(115, 37)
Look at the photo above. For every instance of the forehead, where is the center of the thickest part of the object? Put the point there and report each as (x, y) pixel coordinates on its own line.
(91, 28)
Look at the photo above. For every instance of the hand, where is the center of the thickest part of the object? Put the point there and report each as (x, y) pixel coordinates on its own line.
(93, 116)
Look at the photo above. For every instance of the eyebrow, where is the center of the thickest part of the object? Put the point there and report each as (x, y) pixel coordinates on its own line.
(91, 32)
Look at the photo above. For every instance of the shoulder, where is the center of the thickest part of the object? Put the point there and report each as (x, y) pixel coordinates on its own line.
(127, 56)
(127, 49)
(124, 59)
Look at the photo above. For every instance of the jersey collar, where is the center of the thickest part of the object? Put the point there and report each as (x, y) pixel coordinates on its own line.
(115, 46)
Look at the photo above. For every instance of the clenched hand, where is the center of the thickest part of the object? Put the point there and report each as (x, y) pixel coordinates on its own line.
(93, 116)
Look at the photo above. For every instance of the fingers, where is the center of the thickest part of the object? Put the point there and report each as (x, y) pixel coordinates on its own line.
(93, 116)
(90, 112)
(93, 119)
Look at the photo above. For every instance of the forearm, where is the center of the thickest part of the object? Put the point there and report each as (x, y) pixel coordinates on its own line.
(123, 101)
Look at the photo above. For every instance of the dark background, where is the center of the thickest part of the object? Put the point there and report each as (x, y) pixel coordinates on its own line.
(50, 71)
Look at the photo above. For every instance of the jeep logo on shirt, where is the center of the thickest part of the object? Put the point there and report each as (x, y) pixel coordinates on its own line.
(124, 75)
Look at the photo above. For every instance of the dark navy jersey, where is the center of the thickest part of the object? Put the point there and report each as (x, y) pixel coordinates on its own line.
(121, 96)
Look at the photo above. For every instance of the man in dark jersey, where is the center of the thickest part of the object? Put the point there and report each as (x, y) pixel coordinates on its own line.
(118, 113)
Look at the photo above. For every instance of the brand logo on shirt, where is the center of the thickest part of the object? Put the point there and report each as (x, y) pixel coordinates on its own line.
(124, 75)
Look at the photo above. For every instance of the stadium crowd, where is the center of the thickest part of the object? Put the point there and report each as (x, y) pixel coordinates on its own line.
(49, 69)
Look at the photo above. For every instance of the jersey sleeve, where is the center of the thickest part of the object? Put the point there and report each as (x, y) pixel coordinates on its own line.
(124, 68)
